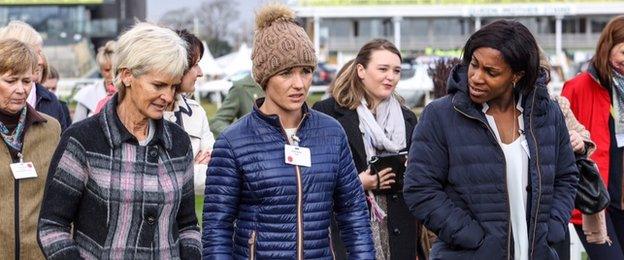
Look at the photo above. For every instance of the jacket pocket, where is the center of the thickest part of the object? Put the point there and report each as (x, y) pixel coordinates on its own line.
(556, 232)
(96, 229)
(252, 245)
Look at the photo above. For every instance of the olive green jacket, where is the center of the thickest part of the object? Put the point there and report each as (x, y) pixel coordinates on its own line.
(238, 102)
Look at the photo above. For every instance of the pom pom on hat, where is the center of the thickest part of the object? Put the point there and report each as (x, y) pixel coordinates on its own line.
(271, 13)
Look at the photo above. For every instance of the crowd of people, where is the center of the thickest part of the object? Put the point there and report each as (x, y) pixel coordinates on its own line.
(488, 171)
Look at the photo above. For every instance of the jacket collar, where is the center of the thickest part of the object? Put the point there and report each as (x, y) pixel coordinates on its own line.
(33, 117)
(350, 122)
(42, 93)
(182, 106)
(593, 72)
(273, 119)
(247, 81)
(117, 134)
(343, 111)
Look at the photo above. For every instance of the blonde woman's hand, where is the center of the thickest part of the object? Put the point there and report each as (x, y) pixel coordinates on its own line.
(578, 145)
(369, 181)
(203, 157)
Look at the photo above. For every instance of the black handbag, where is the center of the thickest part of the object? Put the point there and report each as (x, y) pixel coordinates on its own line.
(591, 194)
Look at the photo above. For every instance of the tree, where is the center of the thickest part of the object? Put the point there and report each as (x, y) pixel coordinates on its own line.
(216, 18)
(439, 73)
(218, 47)
(243, 35)
(178, 19)
(214, 21)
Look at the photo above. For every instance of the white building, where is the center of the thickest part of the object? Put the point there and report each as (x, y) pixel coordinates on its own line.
(341, 27)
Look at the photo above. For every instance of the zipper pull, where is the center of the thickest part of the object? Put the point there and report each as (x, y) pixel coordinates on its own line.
(21, 157)
(252, 238)
(296, 140)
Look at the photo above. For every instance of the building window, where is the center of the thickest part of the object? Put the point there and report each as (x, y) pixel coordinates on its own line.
(387, 28)
(599, 23)
(356, 28)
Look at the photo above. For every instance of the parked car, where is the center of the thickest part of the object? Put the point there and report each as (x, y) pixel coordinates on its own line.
(415, 85)
(217, 89)
(323, 75)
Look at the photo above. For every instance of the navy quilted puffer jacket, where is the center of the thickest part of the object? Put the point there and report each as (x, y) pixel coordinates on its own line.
(455, 181)
(257, 206)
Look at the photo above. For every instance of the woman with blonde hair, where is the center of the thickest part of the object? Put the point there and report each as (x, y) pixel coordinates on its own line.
(365, 103)
(41, 99)
(88, 97)
(121, 182)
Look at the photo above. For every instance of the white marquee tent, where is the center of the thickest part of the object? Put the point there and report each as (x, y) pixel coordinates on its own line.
(208, 64)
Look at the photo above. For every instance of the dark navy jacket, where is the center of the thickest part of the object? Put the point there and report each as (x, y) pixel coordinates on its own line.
(455, 181)
(256, 205)
(48, 103)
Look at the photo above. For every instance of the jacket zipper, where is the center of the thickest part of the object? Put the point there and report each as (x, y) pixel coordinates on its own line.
(539, 175)
(299, 214)
(506, 184)
(17, 215)
(17, 224)
(252, 246)
(299, 193)
(331, 244)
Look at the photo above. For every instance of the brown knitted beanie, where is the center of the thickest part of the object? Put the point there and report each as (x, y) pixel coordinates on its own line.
(279, 43)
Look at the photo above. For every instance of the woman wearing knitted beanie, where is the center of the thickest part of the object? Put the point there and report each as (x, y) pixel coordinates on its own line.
(278, 174)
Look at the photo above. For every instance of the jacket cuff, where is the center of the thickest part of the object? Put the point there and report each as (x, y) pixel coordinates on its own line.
(190, 252)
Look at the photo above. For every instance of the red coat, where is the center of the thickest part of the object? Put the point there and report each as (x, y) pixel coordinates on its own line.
(591, 102)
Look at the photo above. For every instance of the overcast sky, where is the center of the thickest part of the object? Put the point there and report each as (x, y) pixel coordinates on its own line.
(156, 8)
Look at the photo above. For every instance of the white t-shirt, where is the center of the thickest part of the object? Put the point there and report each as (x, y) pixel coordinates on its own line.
(517, 167)
(290, 132)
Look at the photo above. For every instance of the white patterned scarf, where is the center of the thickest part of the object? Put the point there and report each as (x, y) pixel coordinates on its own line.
(618, 107)
(384, 133)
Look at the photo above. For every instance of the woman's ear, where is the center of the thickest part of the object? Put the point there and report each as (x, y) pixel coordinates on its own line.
(126, 77)
(517, 76)
(361, 71)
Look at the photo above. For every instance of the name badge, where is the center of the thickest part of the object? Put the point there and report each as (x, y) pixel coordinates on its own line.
(23, 170)
(296, 155)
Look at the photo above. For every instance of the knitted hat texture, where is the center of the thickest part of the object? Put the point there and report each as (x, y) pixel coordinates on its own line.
(279, 43)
